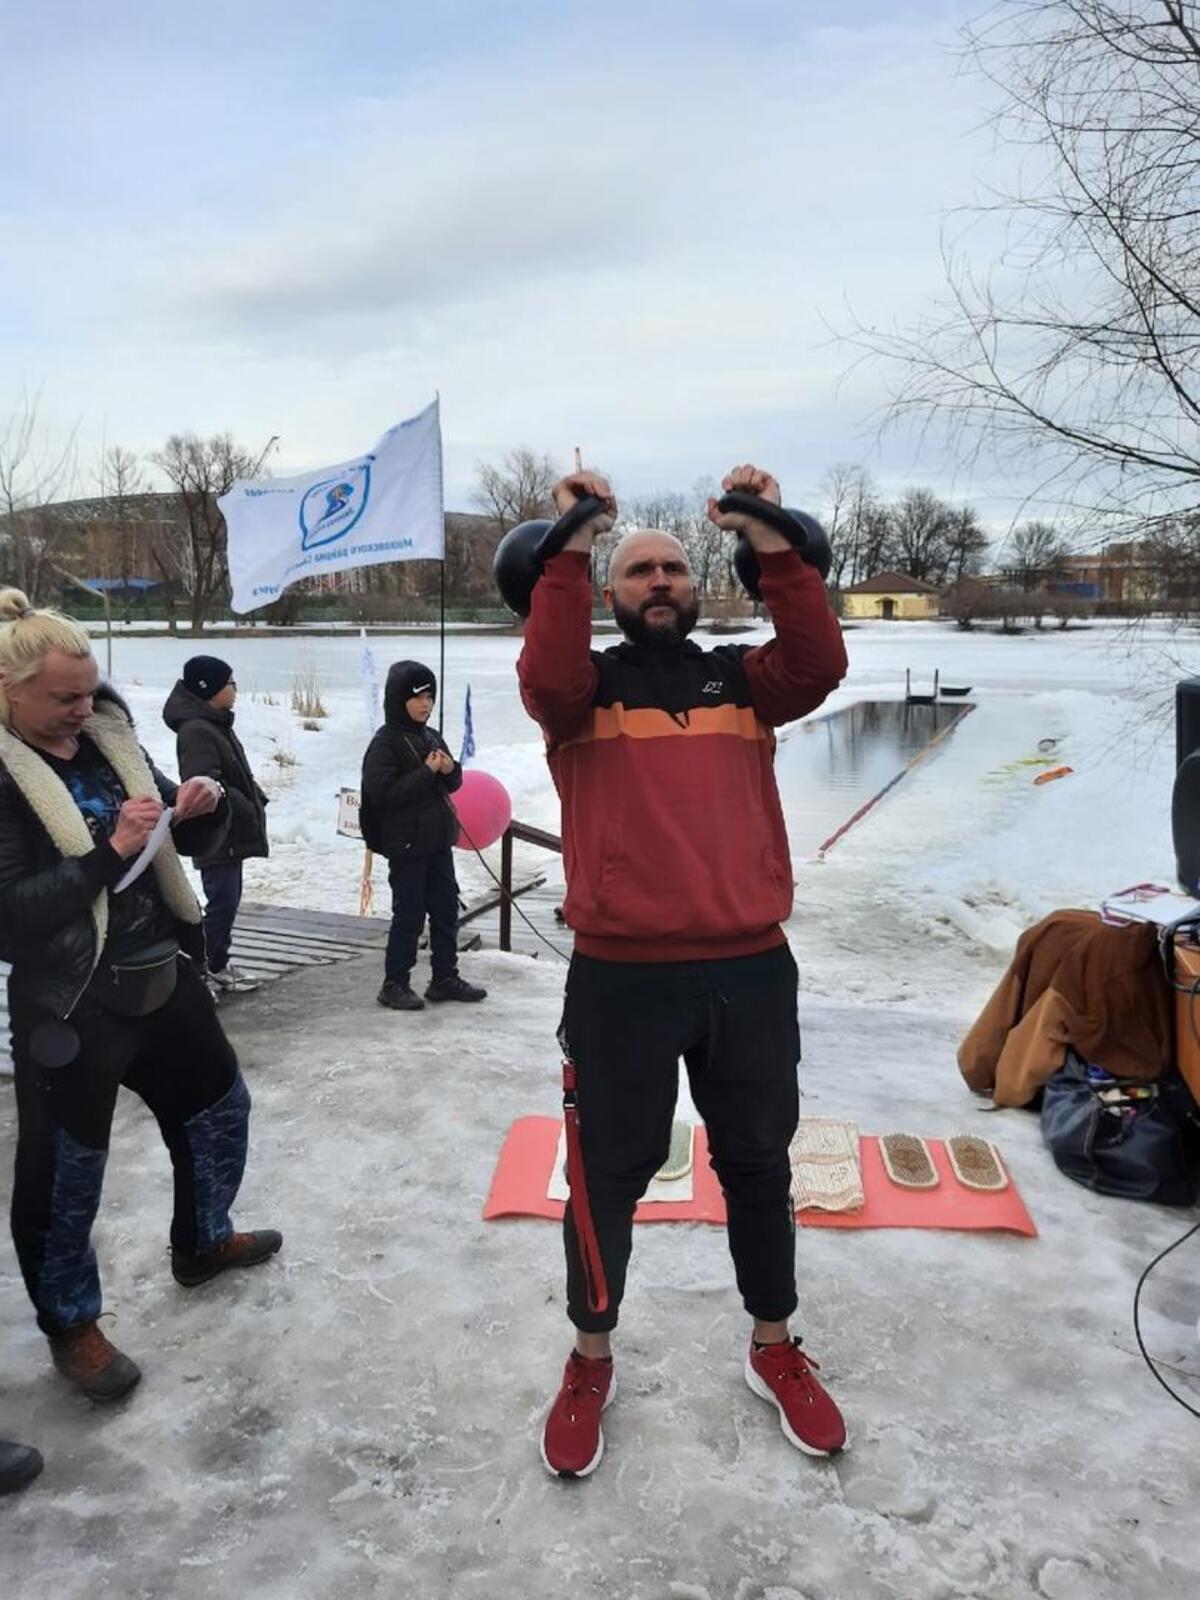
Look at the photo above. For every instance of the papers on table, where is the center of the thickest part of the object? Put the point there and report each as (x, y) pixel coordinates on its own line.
(1150, 902)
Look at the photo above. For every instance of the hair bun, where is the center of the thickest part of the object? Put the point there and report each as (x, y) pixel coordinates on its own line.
(14, 604)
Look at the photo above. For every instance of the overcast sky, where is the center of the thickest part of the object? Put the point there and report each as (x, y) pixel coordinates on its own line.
(626, 226)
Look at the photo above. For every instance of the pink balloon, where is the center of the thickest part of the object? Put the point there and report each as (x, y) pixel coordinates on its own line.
(484, 810)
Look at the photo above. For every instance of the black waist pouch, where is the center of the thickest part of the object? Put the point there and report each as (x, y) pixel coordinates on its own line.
(138, 984)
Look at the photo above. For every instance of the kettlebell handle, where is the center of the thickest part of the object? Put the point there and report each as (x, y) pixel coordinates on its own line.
(556, 536)
(752, 505)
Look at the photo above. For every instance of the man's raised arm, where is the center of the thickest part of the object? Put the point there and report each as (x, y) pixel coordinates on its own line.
(555, 668)
(793, 673)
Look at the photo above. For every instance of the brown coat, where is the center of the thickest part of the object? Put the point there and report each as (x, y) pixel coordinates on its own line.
(1072, 981)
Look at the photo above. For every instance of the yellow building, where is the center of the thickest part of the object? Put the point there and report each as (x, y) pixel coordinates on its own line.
(892, 596)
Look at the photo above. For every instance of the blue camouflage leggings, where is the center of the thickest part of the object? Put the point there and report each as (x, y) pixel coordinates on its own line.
(180, 1063)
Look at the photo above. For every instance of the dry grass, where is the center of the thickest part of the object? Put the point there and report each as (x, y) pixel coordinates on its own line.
(306, 693)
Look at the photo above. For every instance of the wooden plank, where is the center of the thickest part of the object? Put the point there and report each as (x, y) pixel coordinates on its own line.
(539, 906)
(488, 902)
(289, 960)
(287, 940)
(531, 835)
(315, 933)
(260, 958)
(338, 923)
(307, 924)
(302, 947)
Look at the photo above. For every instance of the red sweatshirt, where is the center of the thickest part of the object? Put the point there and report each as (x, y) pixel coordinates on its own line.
(673, 836)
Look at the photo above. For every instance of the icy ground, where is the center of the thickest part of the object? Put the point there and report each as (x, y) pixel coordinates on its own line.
(358, 1418)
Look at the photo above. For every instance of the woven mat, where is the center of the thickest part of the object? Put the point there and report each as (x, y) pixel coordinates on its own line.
(826, 1170)
(522, 1174)
(662, 1191)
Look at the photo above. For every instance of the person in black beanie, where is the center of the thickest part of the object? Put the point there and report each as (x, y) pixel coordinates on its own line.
(405, 813)
(199, 711)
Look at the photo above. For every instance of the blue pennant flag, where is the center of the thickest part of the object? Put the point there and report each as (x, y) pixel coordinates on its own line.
(468, 739)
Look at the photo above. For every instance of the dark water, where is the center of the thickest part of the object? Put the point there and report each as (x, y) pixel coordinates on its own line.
(831, 766)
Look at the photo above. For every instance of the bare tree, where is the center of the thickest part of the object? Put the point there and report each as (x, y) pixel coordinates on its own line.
(517, 490)
(857, 533)
(1172, 553)
(122, 484)
(34, 472)
(1033, 555)
(201, 470)
(920, 527)
(1078, 347)
(966, 545)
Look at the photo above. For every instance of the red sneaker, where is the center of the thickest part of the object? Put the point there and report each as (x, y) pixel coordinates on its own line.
(783, 1374)
(573, 1440)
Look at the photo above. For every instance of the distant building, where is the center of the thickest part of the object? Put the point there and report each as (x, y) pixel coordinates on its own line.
(1122, 574)
(891, 596)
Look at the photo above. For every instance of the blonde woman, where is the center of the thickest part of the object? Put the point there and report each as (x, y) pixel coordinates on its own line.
(106, 987)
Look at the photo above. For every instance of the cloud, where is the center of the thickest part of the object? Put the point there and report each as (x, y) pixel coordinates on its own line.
(634, 240)
(408, 241)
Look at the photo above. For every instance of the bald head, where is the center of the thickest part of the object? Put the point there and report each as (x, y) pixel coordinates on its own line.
(646, 544)
(650, 589)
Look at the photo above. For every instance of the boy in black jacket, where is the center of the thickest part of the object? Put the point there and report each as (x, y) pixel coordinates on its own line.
(199, 711)
(405, 813)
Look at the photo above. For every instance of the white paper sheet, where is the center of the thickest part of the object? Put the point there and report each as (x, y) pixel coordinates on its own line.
(149, 850)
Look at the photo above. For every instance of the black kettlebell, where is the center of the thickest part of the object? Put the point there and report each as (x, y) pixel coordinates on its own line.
(801, 531)
(524, 550)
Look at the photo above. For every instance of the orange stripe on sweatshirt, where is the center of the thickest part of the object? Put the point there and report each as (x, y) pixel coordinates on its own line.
(617, 722)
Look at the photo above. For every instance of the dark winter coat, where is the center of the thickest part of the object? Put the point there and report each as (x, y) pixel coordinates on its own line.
(207, 747)
(55, 881)
(404, 807)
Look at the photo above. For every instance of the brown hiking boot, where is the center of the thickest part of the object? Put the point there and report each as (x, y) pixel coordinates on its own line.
(97, 1368)
(239, 1250)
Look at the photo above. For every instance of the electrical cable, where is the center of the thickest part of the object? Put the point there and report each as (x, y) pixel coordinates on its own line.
(507, 894)
(1166, 944)
(512, 899)
(1137, 1327)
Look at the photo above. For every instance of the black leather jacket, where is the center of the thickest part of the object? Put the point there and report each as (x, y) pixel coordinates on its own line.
(46, 927)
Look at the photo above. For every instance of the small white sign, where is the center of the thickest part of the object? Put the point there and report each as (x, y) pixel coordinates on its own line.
(347, 820)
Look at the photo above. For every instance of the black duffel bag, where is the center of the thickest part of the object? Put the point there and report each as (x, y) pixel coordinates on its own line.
(1140, 1141)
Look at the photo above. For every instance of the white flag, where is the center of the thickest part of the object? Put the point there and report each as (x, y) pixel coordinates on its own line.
(370, 681)
(383, 506)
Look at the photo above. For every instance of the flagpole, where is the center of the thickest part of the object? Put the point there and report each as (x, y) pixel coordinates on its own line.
(442, 655)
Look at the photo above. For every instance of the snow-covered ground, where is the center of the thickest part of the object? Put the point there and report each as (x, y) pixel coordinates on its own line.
(358, 1418)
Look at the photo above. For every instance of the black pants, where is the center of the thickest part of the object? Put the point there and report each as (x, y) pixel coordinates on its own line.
(181, 1064)
(222, 896)
(625, 1025)
(422, 886)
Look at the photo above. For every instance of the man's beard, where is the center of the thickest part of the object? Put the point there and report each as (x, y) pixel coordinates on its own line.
(632, 622)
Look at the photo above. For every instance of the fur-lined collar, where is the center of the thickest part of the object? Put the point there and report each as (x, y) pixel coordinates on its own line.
(110, 728)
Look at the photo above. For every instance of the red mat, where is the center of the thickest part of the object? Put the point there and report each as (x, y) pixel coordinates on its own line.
(523, 1173)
